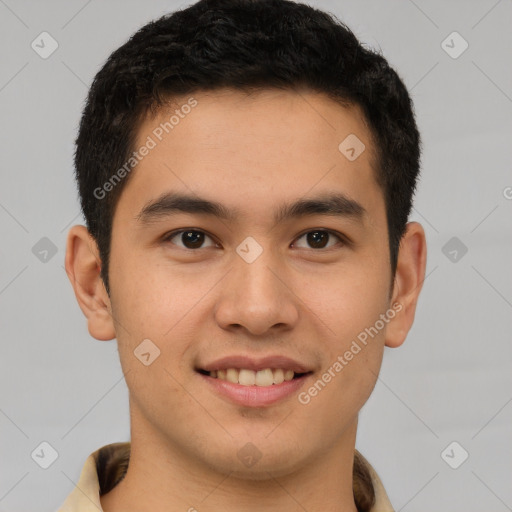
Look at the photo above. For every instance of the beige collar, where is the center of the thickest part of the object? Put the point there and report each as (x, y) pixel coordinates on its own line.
(85, 497)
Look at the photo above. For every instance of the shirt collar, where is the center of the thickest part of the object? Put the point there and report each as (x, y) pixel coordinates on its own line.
(107, 466)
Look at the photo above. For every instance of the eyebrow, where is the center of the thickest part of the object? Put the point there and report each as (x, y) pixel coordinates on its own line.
(171, 203)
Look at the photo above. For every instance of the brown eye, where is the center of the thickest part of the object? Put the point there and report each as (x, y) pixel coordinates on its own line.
(319, 238)
(190, 238)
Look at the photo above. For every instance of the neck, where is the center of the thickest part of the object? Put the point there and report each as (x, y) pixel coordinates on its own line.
(161, 477)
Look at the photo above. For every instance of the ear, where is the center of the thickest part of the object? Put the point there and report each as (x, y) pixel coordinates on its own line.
(83, 266)
(409, 277)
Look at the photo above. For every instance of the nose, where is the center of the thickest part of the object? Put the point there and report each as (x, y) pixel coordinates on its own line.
(258, 297)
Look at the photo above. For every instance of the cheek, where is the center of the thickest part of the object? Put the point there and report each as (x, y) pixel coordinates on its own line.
(146, 302)
(155, 302)
(349, 316)
(344, 384)
(152, 339)
(349, 301)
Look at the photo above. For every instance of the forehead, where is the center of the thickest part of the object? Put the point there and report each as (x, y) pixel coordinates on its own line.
(260, 147)
(299, 120)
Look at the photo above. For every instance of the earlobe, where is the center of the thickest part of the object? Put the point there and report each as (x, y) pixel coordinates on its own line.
(409, 277)
(83, 266)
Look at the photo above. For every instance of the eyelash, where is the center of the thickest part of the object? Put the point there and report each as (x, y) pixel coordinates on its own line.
(343, 239)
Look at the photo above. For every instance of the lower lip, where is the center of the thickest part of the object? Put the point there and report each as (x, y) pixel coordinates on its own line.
(255, 396)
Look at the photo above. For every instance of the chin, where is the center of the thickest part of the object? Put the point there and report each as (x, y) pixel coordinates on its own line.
(259, 459)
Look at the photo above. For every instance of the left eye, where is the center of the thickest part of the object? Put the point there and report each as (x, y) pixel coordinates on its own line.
(318, 238)
(194, 239)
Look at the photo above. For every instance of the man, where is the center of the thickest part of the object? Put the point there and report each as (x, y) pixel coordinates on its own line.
(246, 170)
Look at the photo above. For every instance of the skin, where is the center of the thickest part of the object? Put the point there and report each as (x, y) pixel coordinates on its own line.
(249, 152)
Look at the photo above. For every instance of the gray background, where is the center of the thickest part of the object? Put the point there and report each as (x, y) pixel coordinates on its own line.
(450, 381)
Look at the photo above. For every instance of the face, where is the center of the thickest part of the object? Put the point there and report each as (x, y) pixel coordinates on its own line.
(253, 284)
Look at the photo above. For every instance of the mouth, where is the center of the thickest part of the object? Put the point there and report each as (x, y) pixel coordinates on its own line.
(251, 382)
(246, 377)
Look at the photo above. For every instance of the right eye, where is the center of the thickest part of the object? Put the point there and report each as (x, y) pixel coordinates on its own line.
(190, 238)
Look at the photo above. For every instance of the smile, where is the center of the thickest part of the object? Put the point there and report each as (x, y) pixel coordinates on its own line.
(246, 377)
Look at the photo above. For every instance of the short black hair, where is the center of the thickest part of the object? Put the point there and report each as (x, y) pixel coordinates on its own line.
(246, 45)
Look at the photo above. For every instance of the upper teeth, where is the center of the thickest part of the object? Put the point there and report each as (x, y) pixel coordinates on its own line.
(265, 377)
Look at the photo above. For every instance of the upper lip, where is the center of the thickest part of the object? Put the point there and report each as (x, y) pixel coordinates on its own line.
(256, 363)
